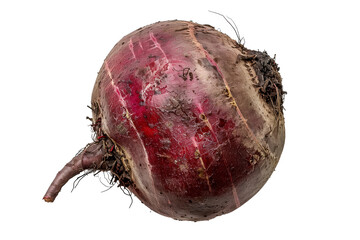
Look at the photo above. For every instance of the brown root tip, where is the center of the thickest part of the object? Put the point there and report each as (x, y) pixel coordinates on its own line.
(48, 199)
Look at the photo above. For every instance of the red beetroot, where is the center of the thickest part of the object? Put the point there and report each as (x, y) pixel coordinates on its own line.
(185, 117)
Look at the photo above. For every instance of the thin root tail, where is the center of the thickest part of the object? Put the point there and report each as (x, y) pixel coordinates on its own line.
(90, 157)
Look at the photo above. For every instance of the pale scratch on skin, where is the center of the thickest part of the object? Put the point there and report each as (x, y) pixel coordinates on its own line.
(116, 89)
(144, 90)
(147, 86)
(131, 47)
(202, 162)
(235, 194)
(128, 116)
(141, 46)
(214, 64)
(123, 103)
(153, 76)
(236, 197)
(206, 121)
(157, 45)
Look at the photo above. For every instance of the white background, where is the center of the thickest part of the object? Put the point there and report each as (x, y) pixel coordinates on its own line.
(50, 52)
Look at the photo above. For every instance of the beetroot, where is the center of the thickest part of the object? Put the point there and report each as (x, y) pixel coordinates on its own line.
(186, 118)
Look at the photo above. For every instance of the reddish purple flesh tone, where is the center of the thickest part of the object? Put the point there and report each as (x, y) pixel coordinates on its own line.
(198, 138)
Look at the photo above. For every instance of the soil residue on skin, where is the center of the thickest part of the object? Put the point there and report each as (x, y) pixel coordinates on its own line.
(269, 82)
(114, 159)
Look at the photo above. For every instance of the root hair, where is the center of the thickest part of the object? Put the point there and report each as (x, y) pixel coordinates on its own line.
(241, 40)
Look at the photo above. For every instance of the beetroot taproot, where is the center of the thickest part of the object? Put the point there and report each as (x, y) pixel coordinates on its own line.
(186, 118)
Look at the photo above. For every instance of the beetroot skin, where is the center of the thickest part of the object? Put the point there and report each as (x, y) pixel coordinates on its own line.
(186, 118)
